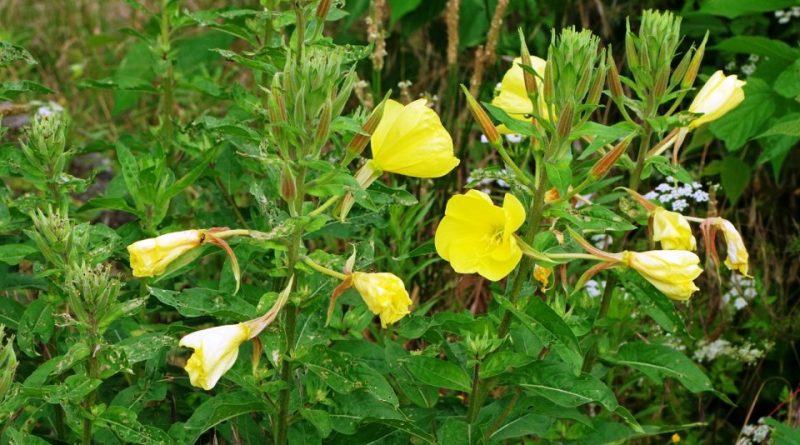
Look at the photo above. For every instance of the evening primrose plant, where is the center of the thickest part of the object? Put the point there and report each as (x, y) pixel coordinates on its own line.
(245, 290)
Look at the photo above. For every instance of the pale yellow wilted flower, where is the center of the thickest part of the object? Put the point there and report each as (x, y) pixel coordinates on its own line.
(542, 275)
(673, 230)
(719, 95)
(670, 271)
(152, 256)
(513, 97)
(385, 295)
(477, 236)
(215, 352)
(738, 257)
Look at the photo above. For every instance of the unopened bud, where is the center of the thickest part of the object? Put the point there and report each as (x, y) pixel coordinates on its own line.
(660, 86)
(322, 9)
(596, 90)
(680, 71)
(360, 140)
(694, 66)
(609, 159)
(525, 55)
(8, 363)
(288, 190)
(324, 124)
(631, 54)
(482, 118)
(549, 82)
(614, 83)
(564, 125)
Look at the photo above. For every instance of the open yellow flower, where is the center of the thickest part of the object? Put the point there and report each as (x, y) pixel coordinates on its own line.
(385, 295)
(477, 236)
(719, 95)
(215, 352)
(672, 230)
(410, 140)
(738, 257)
(152, 256)
(513, 97)
(670, 271)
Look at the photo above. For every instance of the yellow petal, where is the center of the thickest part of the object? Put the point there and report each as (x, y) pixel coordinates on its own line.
(413, 142)
(719, 95)
(385, 295)
(215, 352)
(672, 230)
(738, 258)
(152, 256)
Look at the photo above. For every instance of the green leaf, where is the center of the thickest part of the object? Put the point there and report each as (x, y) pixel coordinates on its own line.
(438, 373)
(758, 45)
(191, 176)
(22, 438)
(559, 174)
(736, 8)
(748, 119)
(660, 361)
(786, 128)
(735, 177)
(539, 314)
(333, 369)
(130, 170)
(529, 424)
(783, 434)
(198, 302)
(214, 411)
(555, 382)
(12, 254)
(36, 323)
(456, 431)
(320, 419)
(654, 303)
(125, 424)
(515, 125)
(73, 389)
(400, 8)
(788, 82)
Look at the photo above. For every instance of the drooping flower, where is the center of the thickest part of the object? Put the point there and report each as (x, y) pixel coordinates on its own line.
(719, 95)
(542, 275)
(152, 256)
(477, 236)
(410, 140)
(385, 295)
(215, 352)
(513, 97)
(670, 271)
(672, 230)
(738, 257)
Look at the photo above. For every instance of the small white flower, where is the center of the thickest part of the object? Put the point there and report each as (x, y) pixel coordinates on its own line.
(739, 303)
(700, 196)
(651, 195)
(679, 205)
(484, 139)
(514, 138)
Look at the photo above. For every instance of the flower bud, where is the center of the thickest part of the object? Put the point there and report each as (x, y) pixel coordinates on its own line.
(322, 10)
(525, 55)
(324, 124)
(694, 65)
(482, 118)
(564, 126)
(608, 160)
(288, 190)
(385, 295)
(542, 275)
(738, 257)
(614, 83)
(360, 140)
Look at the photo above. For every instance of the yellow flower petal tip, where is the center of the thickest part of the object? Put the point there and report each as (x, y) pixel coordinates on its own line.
(152, 256)
(476, 236)
(719, 95)
(215, 352)
(385, 295)
(672, 230)
(670, 271)
(738, 258)
(410, 140)
(513, 96)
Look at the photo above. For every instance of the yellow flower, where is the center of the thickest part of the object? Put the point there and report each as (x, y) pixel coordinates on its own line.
(410, 140)
(513, 97)
(737, 253)
(719, 95)
(215, 352)
(670, 271)
(151, 256)
(477, 236)
(672, 230)
(676, 438)
(385, 295)
(542, 275)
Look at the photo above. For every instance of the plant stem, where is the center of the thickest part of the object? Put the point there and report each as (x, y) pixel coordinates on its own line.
(322, 269)
(168, 79)
(480, 386)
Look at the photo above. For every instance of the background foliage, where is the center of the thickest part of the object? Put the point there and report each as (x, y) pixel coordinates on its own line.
(164, 132)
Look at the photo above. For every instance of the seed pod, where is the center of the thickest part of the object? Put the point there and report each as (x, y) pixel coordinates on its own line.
(608, 160)
(614, 83)
(564, 125)
(694, 66)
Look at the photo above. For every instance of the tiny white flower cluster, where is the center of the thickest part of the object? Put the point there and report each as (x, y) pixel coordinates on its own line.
(742, 291)
(50, 109)
(594, 288)
(485, 184)
(708, 352)
(748, 68)
(674, 342)
(786, 16)
(671, 192)
(511, 138)
(752, 434)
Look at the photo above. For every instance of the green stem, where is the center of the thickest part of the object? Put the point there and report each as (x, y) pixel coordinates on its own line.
(322, 269)
(522, 176)
(480, 386)
(168, 79)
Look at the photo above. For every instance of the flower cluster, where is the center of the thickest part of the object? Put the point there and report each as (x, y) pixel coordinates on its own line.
(678, 196)
(710, 351)
(785, 16)
(754, 434)
(742, 291)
